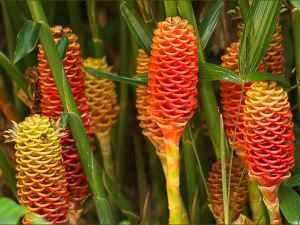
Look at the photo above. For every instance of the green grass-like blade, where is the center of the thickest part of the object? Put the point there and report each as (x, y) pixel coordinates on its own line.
(209, 22)
(259, 29)
(137, 27)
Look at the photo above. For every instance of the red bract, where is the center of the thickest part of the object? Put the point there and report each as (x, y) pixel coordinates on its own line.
(52, 107)
(232, 103)
(173, 71)
(268, 133)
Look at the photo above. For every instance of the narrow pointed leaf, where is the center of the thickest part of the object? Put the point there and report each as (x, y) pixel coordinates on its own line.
(212, 72)
(62, 46)
(27, 39)
(209, 22)
(259, 29)
(289, 204)
(133, 81)
(11, 212)
(137, 27)
(292, 181)
(257, 76)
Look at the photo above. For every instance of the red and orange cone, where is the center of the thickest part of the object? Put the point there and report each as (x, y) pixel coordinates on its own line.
(269, 140)
(173, 76)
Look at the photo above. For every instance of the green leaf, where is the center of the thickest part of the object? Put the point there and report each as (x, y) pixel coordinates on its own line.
(289, 204)
(212, 72)
(209, 22)
(11, 212)
(258, 76)
(292, 181)
(133, 81)
(259, 29)
(62, 46)
(64, 119)
(27, 39)
(295, 3)
(137, 27)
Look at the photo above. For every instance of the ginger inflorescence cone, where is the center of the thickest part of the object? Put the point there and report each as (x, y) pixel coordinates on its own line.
(103, 106)
(269, 140)
(173, 71)
(41, 181)
(238, 189)
(51, 106)
(149, 127)
(32, 76)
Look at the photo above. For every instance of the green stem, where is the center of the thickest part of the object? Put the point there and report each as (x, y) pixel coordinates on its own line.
(158, 186)
(177, 211)
(244, 7)
(14, 73)
(124, 91)
(224, 176)
(256, 203)
(192, 177)
(8, 173)
(107, 155)
(91, 167)
(144, 190)
(206, 91)
(296, 34)
(77, 24)
(170, 7)
(95, 28)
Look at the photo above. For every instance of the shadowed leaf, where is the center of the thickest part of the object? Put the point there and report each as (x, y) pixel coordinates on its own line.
(27, 39)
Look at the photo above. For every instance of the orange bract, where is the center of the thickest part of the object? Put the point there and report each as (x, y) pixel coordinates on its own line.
(42, 186)
(150, 128)
(102, 97)
(52, 107)
(231, 101)
(173, 74)
(238, 189)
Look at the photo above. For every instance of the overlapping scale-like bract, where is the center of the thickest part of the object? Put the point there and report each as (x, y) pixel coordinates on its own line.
(268, 133)
(274, 59)
(231, 101)
(52, 107)
(238, 189)
(41, 182)
(173, 71)
(102, 97)
(32, 76)
(150, 128)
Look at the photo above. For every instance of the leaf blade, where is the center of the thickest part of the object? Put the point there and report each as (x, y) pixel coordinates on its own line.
(289, 204)
(292, 181)
(62, 46)
(212, 72)
(137, 27)
(209, 22)
(259, 28)
(263, 76)
(11, 212)
(27, 39)
(133, 81)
